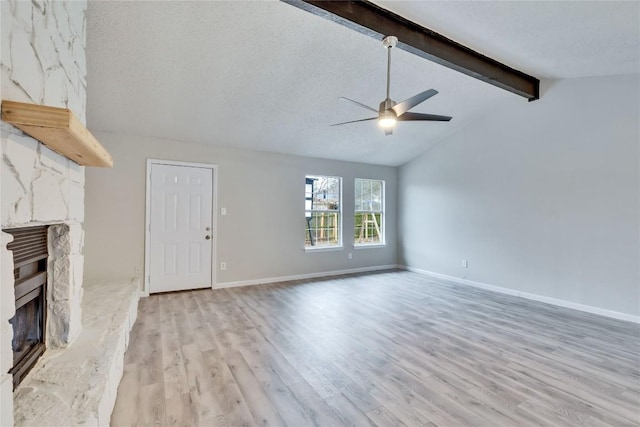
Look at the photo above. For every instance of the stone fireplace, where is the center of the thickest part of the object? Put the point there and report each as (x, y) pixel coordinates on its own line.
(42, 61)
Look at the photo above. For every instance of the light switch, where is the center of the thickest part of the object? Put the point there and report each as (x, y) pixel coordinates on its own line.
(223, 211)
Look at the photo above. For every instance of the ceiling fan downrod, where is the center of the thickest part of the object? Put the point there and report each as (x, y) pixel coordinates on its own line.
(389, 42)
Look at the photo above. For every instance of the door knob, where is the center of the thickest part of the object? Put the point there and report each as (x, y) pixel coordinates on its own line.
(207, 237)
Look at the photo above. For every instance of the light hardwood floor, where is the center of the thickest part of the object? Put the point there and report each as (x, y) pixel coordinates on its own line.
(386, 349)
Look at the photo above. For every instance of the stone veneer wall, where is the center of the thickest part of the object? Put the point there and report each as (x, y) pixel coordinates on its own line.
(42, 61)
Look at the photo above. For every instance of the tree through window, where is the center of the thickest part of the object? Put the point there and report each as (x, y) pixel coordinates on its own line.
(369, 212)
(323, 205)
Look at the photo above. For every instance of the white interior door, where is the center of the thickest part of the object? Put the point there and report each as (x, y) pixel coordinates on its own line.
(180, 235)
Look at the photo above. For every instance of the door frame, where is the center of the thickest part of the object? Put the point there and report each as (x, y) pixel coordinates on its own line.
(147, 221)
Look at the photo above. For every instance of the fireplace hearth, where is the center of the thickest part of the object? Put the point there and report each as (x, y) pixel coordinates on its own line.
(30, 254)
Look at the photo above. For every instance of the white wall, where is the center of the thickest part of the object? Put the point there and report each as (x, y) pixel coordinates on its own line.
(262, 235)
(540, 198)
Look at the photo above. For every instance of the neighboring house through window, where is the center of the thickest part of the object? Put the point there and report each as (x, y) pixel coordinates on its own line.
(323, 210)
(369, 212)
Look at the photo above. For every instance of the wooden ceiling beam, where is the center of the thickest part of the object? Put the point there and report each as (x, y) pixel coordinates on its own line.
(372, 20)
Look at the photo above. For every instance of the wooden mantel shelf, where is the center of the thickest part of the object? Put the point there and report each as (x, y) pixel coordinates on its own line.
(58, 129)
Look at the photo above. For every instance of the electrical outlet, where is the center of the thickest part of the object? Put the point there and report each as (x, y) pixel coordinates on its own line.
(465, 263)
(350, 255)
(223, 265)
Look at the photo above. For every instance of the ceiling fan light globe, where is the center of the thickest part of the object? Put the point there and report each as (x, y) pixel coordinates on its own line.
(387, 122)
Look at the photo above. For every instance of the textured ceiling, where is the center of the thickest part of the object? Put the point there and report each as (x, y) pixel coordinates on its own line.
(547, 39)
(266, 75)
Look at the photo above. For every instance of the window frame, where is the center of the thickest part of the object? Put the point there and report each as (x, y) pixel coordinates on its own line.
(382, 212)
(309, 213)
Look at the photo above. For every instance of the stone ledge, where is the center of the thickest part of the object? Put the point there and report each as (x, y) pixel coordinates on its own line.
(77, 385)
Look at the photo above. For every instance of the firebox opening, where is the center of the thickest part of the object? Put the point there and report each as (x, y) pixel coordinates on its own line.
(30, 285)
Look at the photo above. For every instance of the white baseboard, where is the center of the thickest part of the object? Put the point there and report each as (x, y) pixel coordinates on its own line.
(304, 276)
(554, 301)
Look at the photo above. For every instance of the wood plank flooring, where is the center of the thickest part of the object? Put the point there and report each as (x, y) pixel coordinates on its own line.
(387, 349)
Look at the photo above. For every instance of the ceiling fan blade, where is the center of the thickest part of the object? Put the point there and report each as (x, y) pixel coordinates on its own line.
(355, 121)
(408, 104)
(358, 104)
(416, 117)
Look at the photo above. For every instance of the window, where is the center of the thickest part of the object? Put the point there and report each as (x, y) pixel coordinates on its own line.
(369, 212)
(323, 204)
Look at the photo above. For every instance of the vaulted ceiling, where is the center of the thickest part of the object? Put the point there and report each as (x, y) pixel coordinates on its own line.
(267, 76)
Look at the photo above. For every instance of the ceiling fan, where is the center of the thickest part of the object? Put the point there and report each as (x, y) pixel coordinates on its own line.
(389, 111)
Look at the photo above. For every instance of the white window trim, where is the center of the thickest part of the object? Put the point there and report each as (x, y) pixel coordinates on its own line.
(369, 246)
(381, 211)
(339, 246)
(323, 248)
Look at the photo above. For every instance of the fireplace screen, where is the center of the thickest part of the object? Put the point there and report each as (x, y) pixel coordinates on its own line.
(30, 285)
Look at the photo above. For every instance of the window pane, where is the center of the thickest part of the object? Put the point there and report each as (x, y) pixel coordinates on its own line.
(325, 192)
(376, 190)
(369, 198)
(322, 211)
(366, 194)
(368, 228)
(322, 229)
(358, 194)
